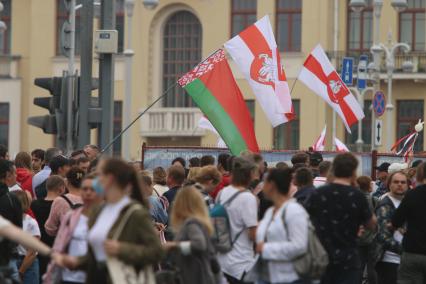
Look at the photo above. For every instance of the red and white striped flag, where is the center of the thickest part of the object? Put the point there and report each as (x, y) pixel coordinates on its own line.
(320, 143)
(340, 146)
(319, 75)
(206, 124)
(256, 54)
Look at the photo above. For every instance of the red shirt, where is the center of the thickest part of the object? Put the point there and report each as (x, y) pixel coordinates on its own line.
(226, 180)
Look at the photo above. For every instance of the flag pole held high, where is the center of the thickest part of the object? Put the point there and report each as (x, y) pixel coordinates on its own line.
(213, 88)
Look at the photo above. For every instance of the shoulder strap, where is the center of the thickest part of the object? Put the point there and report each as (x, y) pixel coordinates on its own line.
(67, 200)
(124, 220)
(232, 198)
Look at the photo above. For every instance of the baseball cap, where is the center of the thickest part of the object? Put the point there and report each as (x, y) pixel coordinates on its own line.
(383, 167)
(416, 163)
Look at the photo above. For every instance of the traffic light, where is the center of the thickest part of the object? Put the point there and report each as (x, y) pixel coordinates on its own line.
(48, 123)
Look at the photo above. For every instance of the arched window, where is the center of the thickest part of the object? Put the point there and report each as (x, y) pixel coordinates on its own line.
(181, 52)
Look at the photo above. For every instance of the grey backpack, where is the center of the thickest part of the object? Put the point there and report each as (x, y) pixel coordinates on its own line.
(313, 263)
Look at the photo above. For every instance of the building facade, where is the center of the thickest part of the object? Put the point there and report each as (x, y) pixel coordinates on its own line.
(170, 39)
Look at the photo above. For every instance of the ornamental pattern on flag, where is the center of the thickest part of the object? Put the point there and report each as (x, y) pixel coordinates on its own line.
(256, 54)
(319, 75)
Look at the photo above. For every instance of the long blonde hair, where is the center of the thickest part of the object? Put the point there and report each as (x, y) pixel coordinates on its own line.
(189, 203)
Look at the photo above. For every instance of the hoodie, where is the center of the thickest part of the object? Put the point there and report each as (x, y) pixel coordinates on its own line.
(24, 177)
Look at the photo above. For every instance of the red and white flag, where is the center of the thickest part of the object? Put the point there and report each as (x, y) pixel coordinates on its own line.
(320, 76)
(340, 146)
(206, 124)
(320, 143)
(257, 56)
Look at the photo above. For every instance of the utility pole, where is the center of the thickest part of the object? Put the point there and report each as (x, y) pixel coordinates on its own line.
(86, 42)
(70, 76)
(106, 77)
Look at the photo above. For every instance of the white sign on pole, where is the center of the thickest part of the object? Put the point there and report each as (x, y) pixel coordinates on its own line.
(378, 130)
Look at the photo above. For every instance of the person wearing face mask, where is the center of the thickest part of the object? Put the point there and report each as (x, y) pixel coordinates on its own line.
(136, 244)
(390, 240)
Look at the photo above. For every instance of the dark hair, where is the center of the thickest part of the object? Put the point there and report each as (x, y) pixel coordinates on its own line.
(53, 182)
(75, 176)
(315, 158)
(303, 177)
(78, 152)
(364, 183)
(324, 167)
(83, 160)
(159, 176)
(281, 165)
(3, 151)
(50, 154)
(257, 158)
(241, 171)
(180, 160)
(124, 175)
(230, 162)
(23, 160)
(39, 153)
(177, 174)
(194, 162)
(222, 160)
(344, 165)
(207, 160)
(93, 165)
(300, 158)
(5, 167)
(58, 162)
(281, 178)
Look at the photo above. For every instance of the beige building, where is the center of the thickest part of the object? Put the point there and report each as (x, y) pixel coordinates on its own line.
(174, 36)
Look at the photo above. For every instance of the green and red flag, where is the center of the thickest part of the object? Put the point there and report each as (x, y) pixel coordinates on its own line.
(213, 88)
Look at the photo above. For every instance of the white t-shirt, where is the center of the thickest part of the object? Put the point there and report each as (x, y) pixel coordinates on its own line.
(4, 222)
(320, 181)
(389, 256)
(104, 222)
(30, 226)
(77, 247)
(242, 214)
(160, 189)
(15, 187)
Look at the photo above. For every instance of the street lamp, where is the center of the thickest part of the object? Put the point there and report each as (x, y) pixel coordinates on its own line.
(150, 4)
(3, 26)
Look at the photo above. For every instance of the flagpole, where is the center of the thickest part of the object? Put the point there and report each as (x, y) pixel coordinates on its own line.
(292, 86)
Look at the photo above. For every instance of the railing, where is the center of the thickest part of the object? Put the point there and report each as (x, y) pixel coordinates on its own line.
(162, 122)
(9, 66)
(418, 58)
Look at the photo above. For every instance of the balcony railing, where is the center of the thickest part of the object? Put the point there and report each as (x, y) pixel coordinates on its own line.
(9, 66)
(418, 58)
(163, 122)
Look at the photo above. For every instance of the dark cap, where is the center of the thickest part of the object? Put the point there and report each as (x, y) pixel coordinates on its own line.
(57, 162)
(383, 167)
(416, 163)
(315, 157)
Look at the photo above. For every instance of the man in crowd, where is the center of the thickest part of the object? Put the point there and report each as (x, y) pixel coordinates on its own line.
(301, 159)
(324, 170)
(42, 175)
(207, 160)
(175, 179)
(303, 179)
(223, 167)
(37, 160)
(382, 176)
(315, 158)
(10, 178)
(83, 163)
(194, 162)
(337, 211)
(60, 166)
(4, 152)
(92, 151)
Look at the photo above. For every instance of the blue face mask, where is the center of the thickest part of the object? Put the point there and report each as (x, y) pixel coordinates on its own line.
(97, 186)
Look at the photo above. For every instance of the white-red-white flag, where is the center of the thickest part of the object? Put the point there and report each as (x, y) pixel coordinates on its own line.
(206, 124)
(256, 54)
(340, 146)
(320, 143)
(319, 75)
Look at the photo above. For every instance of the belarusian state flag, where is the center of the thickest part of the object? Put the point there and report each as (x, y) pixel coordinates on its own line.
(213, 88)
(319, 75)
(255, 52)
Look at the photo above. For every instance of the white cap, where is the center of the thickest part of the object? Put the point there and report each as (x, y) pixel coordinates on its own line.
(396, 167)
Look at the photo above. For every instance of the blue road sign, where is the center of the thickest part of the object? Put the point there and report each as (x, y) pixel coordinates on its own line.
(379, 103)
(362, 72)
(347, 70)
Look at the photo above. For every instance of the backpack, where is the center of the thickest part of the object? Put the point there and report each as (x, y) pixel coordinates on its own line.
(72, 205)
(314, 262)
(222, 238)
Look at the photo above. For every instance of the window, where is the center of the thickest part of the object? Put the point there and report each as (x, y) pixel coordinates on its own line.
(5, 36)
(62, 16)
(250, 105)
(181, 52)
(289, 24)
(117, 127)
(4, 124)
(360, 28)
(243, 14)
(366, 130)
(286, 136)
(412, 25)
(409, 113)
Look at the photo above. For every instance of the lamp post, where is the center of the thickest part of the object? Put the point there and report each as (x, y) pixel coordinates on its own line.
(3, 26)
(360, 96)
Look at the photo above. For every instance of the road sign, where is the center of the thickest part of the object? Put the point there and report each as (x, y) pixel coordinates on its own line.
(379, 103)
(362, 72)
(378, 131)
(347, 70)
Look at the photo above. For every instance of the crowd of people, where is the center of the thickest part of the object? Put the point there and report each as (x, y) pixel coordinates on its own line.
(235, 219)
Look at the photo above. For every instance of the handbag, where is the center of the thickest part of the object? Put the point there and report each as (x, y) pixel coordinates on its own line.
(123, 273)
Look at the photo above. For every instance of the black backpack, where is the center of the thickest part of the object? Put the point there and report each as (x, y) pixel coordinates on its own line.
(72, 205)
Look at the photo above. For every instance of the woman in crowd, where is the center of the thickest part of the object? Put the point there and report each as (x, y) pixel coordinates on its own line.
(209, 177)
(24, 175)
(72, 236)
(282, 234)
(66, 202)
(192, 174)
(194, 252)
(159, 178)
(157, 205)
(137, 244)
